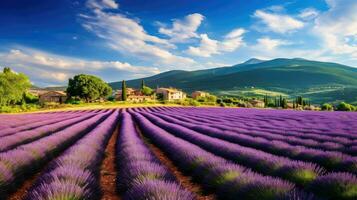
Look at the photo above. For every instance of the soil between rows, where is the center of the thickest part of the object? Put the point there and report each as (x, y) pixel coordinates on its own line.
(183, 179)
(108, 170)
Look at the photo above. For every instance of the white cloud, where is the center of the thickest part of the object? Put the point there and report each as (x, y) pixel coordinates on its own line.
(43, 67)
(337, 27)
(183, 30)
(232, 41)
(276, 8)
(308, 13)
(278, 23)
(268, 44)
(209, 47)
(127, 36)
(102, 4)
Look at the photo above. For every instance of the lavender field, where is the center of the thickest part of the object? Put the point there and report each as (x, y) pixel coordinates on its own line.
(169, 153)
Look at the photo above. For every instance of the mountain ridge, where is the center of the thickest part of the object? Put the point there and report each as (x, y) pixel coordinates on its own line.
(295, 76)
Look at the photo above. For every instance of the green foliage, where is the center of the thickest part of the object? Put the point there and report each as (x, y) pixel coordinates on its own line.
(142, 84)
(345, 107)
(299, 101)
(211, 98)
(286, 76)
(207, 99)
(193, 102)
(327, 107)
(30, 98)
(12, 87)
(187, 102)
(73, 101)
(111, 98)
(160, 97)
(19, 108)
(123, 91)
(88, 87)
(147, 91)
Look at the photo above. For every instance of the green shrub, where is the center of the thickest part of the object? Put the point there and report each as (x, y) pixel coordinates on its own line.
(19, 108)
(147, 91)
(111, 98)
(345, 107)
(73, 101)
(327, 107)
(30, 98)
(193, 102)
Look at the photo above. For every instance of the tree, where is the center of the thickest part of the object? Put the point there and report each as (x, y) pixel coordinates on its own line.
(281, 101)
(13, 86)
(284, 103)
(142, 84)
(300, 101)
(345, 107)
(88, 87)
(123, 91)
(327, 107)
(147, 91)
(7, 70)
(266, 100)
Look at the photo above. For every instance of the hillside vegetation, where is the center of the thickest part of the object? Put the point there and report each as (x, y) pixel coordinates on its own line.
(320, 81)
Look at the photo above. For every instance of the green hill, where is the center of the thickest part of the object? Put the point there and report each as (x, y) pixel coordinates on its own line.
(320, 81)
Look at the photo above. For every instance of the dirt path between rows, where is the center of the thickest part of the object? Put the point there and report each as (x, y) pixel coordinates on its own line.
(108, 170)
(184, 180)
(22, 191)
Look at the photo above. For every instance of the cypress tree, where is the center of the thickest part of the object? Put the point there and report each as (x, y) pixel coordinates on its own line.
(142, 84)
(266, 100)
(123, 90)
(285, 103)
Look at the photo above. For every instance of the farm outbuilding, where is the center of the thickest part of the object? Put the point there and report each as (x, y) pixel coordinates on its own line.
(170, 94)
(53, 97)
(199, 94)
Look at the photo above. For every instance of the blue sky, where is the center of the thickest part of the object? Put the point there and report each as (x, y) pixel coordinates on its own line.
(53, 40)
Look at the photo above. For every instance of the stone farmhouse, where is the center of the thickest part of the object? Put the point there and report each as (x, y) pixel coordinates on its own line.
(134, 95)
(53, 97)
(199, 94)
(171, 94)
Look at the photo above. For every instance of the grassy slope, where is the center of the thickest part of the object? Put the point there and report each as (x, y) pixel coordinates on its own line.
(290, 76)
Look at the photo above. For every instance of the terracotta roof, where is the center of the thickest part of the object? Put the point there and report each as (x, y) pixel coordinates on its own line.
(170, 89)
(57, 93)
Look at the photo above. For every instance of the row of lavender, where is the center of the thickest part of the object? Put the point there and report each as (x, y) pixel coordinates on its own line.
(346, 144)
(30, 155)
(224, 160)
(307, 175)
(9, 121)
(330, 160)
(141, 175)
(75, 173)
(226, 179)
(16, 137)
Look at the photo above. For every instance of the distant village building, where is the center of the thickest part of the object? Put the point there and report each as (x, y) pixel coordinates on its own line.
(171, 94)
(199, 94)
(134, 95)
(53, 97)
(257, 103)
